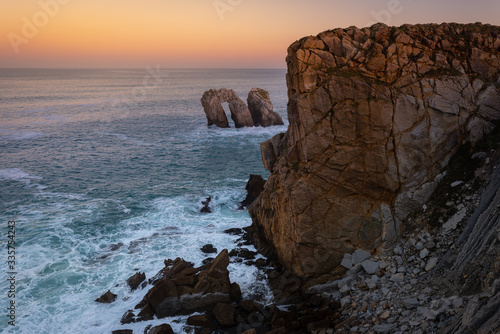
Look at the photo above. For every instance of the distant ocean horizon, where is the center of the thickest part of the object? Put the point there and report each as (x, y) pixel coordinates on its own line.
(104, 171)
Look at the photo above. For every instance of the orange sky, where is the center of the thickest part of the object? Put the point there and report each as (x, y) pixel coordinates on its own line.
(196, 33)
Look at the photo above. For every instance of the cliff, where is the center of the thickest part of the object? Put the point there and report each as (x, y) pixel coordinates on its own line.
(375, 116)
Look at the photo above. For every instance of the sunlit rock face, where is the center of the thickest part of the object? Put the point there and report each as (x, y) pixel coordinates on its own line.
(375, 115)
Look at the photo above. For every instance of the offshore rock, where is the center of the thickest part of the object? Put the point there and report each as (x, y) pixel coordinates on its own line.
(259, 112)
(212, 104)
(375, 115)
(261, 108)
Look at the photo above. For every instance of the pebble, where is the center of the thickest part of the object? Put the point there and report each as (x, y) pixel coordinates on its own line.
(359, 256)
(398, 277)
(431, 264)
(370, 267)
(423, 253)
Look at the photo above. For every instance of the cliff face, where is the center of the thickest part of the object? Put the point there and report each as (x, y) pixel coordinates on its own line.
(375, 115)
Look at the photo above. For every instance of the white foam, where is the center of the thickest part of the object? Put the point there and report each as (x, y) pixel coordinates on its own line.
(23, 135)
(16, 174)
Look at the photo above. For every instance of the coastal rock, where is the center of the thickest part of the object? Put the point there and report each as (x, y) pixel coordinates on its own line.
(208, 249)
(182, 289)
(261, 108)
(212, 104)
(259, 112)
(135, 280)
(254, 187)
(107, 298)
(161, 329)
(375, 115)
(206, 205)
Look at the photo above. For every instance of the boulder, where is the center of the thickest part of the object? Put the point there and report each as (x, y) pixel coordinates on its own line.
(161, 329)
(225, 315)
(135, 280)
(107, 298)
(208, 249)
(180, 288)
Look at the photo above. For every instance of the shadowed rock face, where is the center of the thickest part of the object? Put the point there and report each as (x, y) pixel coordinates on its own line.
(259, 112)
(375, 114)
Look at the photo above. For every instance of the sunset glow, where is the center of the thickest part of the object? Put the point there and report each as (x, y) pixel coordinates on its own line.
(196, 33)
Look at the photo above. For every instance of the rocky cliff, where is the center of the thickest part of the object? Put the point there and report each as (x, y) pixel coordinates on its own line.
(375, 115)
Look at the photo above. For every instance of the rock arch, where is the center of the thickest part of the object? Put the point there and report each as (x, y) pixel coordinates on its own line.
(258, 112)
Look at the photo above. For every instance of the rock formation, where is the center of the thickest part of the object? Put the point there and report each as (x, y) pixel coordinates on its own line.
(254, 187)
(259, 112)
(375, 115)
(261, 108)
(212, 104)
(180, 288)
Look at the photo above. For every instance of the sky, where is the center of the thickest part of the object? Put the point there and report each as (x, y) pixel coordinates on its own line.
(197, 33)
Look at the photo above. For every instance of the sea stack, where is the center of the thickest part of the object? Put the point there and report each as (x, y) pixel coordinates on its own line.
(259, 111)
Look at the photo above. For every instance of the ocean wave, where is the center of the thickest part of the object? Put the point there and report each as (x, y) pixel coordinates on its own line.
(16, 174)
(23, 135)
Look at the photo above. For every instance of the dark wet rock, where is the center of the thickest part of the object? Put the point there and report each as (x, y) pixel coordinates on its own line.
(243, 253)
(135, 280)
(234, 231)
(206, 203)
(235, 292)
(128, 317)
(225, 315)
(115, 247)
(182, 289)
(208, 249)
(202, 320)
(254, 187)
(107, 298)
(161, 329)
(122, 331)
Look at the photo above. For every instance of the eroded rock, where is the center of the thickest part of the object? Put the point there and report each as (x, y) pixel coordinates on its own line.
(375, 114)
(259, 112)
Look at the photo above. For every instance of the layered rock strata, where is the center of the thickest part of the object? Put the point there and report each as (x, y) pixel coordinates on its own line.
(259, 111)
(375, 115)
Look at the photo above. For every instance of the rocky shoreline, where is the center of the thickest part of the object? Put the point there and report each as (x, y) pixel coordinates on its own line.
(381, 213)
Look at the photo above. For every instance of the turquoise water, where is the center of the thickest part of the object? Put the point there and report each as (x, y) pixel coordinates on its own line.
(104, 173)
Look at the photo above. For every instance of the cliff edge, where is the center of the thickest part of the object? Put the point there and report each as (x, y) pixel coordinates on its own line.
(375, 115)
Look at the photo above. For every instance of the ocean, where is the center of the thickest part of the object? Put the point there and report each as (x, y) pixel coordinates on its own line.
(103, 172)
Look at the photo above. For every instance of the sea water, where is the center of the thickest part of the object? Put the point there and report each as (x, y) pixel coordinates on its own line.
(103, 172)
